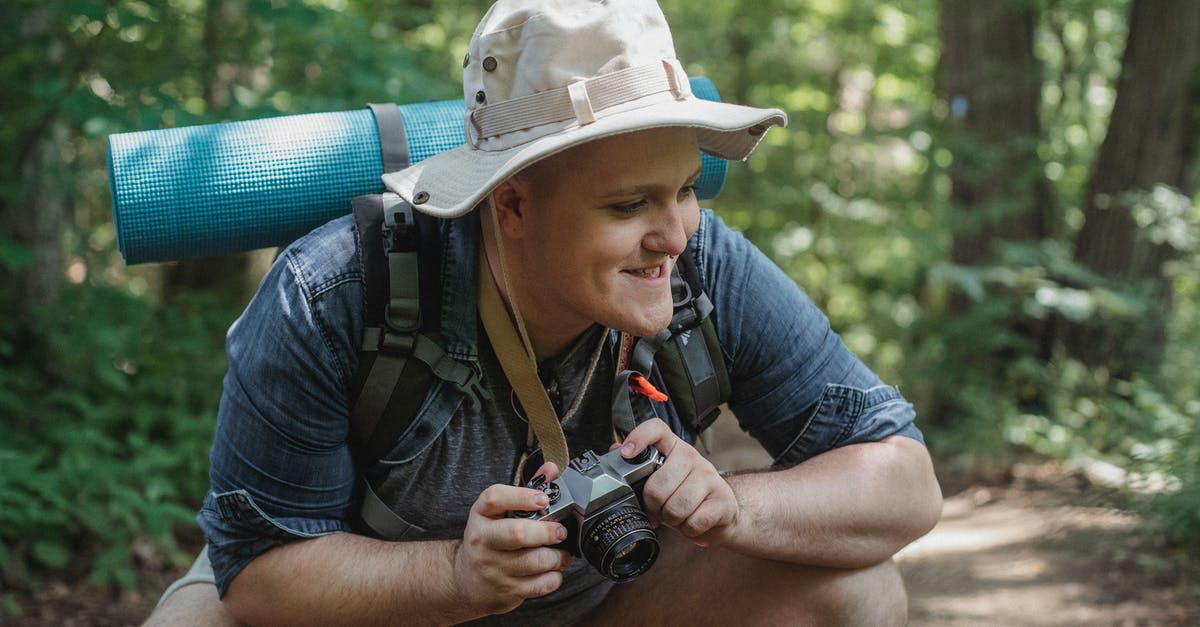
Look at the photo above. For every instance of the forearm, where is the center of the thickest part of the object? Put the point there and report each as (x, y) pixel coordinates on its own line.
(851, 507)
(345, 579)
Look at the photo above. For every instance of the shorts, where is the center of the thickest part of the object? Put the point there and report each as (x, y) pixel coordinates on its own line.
(566, 610)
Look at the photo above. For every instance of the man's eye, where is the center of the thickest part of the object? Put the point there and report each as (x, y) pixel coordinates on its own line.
(687, 190)
(632, 207)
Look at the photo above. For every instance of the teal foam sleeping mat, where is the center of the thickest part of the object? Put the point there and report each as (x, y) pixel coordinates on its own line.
(207, 190)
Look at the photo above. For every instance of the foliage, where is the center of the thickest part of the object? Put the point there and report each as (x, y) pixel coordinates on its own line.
(106, 429)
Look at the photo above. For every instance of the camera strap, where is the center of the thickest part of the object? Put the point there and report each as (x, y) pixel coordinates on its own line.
(517, 359)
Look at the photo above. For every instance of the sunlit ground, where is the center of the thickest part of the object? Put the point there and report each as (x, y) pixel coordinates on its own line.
(1041, 553)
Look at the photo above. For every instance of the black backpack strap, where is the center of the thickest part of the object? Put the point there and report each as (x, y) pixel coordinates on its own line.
(400, 354)
(390, 327)
(688, 353)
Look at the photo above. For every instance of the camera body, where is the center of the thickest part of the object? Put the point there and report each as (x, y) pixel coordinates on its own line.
(598, 498)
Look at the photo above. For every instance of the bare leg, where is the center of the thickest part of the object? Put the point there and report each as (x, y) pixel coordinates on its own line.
(694, 586)
(192, 600)
(192, 605)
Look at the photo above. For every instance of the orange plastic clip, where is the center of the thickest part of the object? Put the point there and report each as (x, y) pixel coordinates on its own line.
(645, 388)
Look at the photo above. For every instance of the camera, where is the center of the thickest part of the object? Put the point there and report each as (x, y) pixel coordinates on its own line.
(599, 500)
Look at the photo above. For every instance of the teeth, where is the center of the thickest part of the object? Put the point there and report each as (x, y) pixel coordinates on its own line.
(649, 273)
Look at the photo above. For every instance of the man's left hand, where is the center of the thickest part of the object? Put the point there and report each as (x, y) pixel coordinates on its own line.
(686, 493)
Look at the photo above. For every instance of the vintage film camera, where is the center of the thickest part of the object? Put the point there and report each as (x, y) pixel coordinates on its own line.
(598, 499)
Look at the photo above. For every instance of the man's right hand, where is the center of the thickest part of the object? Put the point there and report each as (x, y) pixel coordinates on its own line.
(502, 561)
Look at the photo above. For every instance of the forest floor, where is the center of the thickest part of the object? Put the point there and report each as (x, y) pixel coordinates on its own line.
(1034, 545)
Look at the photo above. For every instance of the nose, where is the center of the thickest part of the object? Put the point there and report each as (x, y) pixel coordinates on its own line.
(673, 225)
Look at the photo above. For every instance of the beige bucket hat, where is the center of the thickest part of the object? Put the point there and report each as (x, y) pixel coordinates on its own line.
(544, 75)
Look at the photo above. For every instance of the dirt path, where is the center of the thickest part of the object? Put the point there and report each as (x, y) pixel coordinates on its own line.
(1036, 548)
(1042, 549)
(1028, 556)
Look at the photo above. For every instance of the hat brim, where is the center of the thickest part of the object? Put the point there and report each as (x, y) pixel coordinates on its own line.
(452, 183)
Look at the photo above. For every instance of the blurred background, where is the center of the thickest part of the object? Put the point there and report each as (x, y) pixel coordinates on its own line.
(995, 203)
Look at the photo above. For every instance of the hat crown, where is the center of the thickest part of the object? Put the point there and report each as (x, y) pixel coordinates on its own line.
(523, 47)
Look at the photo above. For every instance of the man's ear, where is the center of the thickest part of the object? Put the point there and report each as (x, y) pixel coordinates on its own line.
(510, 202)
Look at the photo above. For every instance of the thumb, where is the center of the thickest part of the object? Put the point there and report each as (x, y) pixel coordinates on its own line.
(549, 469)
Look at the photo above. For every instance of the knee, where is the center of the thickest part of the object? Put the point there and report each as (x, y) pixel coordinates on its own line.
(715, 586)
(869, 596)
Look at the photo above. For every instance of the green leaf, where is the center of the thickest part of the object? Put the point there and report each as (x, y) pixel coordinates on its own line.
(52, 554)
(125, 577)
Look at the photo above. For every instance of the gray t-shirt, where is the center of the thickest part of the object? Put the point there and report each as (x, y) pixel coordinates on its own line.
(434, 492)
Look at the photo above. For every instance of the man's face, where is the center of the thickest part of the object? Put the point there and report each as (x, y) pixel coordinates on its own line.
(602, 225)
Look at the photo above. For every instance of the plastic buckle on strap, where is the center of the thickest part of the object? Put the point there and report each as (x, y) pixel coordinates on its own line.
(401, 239)
(690, 309)
(399, 234)
(398, 342)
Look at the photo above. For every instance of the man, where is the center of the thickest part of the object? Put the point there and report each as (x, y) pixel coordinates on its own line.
(571, 201)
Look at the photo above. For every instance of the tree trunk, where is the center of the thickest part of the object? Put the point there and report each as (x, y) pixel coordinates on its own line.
(38, 220)
(33, 201)
(1147, 146)
(226, 273)
(992, 83)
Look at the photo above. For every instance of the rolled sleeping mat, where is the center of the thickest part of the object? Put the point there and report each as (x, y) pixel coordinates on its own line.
(206, 190)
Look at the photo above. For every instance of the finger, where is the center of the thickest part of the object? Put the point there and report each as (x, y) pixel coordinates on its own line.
(673, 496)
(497, 500)
(548, 469)
(532, 562)
(671, 475)
(684, 502)
(538, 585)
(711, 515)
(652, 432)
(513, 534)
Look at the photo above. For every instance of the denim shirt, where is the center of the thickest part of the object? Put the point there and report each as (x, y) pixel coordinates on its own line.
(280, 464)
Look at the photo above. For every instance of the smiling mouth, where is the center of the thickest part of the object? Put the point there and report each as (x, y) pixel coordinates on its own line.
(652, 272)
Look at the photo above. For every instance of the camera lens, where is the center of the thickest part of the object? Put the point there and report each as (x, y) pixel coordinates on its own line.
(620, 543)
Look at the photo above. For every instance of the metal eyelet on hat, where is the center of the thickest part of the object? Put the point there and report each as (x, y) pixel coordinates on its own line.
(757, 129)
(480, 97)
(489, 64)
(420, 198)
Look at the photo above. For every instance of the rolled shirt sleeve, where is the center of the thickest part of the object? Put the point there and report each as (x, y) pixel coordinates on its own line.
(280, 464)
(797, 388)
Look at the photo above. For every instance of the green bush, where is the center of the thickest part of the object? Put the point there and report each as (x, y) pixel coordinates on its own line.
(109, 404)
(993, 395)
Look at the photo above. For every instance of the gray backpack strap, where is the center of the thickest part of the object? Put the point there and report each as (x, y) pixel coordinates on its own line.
(687, 353)
(393, 145)
(400, 355)
(380, 518)
(387, 382)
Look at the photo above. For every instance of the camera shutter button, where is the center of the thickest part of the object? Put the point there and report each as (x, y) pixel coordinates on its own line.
(644, 456)
(552, 491)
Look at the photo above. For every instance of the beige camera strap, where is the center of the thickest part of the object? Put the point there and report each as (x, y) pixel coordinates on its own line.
(519, 362)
